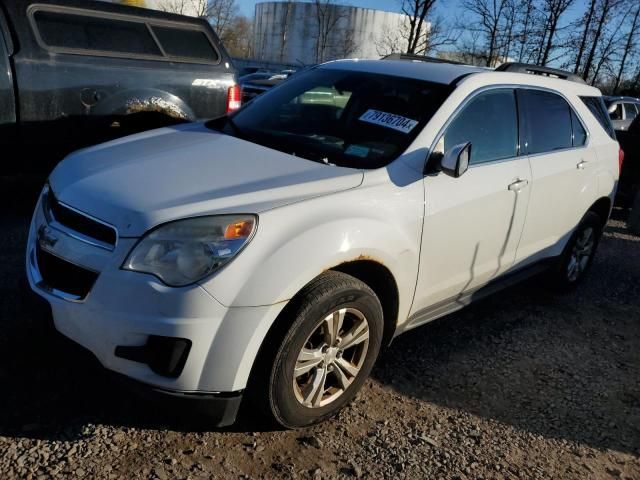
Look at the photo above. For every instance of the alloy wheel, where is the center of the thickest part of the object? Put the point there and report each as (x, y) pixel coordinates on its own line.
(580, 254)
(331, 358)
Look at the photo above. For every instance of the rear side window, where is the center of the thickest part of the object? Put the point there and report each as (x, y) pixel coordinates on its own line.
(182, 43)
(630, 110)
(598, 109)
(490, 122)
(64, 30)
(548, 121)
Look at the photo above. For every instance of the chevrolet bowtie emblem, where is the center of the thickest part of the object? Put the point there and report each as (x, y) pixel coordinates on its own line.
(46, 237)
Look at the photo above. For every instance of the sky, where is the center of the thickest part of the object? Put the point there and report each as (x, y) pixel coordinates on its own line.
(449, 9)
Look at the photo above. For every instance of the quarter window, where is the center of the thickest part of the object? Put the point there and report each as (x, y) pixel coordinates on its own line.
(599, 110)
(490, 122)
(548, 121)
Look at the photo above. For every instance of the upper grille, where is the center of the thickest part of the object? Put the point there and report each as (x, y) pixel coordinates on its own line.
(79, 222)
(64, 276)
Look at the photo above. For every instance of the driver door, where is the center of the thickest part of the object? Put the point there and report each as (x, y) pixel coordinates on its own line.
(473, 223)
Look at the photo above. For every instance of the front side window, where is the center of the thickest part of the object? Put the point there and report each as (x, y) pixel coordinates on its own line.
(548, 121)
(490, 122)
(630, 110)
(82, 32)
(340, 117)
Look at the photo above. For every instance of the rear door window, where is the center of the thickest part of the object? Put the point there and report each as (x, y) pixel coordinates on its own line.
(184, 43)
(83, 32)
(490, 122)
(579, 133)
(548, 121)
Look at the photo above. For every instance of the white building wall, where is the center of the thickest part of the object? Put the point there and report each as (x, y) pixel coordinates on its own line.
(287, 32)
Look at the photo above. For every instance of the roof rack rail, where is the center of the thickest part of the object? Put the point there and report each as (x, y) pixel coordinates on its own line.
(515, 67)
(418, 58)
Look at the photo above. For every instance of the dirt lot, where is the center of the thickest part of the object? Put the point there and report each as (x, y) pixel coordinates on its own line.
(523, 385)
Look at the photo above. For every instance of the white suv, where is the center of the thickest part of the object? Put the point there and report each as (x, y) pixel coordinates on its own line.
(274, 251)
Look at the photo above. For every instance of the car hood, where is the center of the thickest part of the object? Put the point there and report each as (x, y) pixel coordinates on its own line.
(138, 182)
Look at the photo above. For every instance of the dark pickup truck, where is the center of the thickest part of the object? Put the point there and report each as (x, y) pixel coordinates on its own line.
(75, 72)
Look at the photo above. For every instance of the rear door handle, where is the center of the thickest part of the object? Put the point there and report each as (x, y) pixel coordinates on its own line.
(518, 185)
(582, 164)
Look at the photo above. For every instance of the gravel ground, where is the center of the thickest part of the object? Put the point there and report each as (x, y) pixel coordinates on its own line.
(522, 385)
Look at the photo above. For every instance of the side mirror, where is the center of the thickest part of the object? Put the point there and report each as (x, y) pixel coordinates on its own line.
(456, 160)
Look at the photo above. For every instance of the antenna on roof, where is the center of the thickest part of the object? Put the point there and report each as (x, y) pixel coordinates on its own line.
(515, 67)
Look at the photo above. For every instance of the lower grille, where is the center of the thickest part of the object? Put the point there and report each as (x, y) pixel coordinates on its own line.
(64, 276)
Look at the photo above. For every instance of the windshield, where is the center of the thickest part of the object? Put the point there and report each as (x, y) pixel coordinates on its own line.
(338, 117)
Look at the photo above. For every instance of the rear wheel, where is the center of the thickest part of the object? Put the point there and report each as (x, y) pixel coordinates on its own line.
(578, 255)
(328, 351)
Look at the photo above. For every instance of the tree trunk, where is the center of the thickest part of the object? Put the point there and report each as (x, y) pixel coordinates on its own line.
(601, 21)
(585, 35)
(627, 49)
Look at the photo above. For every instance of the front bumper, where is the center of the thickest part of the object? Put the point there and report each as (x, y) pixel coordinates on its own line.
(125, 311)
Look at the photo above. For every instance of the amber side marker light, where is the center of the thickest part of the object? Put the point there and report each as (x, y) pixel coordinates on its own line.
(238, 230)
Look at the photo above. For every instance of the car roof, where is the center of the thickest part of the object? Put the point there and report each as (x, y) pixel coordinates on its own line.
(617, 98)
(450, 73)
(433, 72)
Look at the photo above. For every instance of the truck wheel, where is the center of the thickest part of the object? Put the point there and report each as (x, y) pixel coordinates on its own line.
(335, 333)
(578, 254)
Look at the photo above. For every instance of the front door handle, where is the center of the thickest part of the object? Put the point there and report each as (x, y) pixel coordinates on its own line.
(518, 185)
(582, 164)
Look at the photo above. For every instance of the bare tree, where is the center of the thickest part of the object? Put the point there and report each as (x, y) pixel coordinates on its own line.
(417, 12)
(525, 21)
(391, 40)
(239, 36)
(510, 21)
(489, 18)
(585, 25)
(553, 9)
(605, 9)
(328, 15)
(181, 7)
(629, 45)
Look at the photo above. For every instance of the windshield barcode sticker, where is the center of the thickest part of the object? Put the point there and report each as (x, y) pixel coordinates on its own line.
(389, 120)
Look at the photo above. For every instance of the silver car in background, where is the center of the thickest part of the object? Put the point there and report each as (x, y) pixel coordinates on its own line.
(622, 110)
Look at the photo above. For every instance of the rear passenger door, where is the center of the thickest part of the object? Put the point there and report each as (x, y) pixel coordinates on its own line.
(556, 144)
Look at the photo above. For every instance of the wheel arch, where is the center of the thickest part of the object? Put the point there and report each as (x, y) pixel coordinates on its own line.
(374, 274)
(602, 207)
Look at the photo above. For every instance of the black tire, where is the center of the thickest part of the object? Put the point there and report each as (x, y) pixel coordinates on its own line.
(563, 277)
(273, 383)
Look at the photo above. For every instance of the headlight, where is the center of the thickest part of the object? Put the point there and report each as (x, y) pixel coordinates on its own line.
(182, 252)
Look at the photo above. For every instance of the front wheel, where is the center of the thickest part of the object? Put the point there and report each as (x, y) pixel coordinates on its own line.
(578, 255)
(335, 333)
